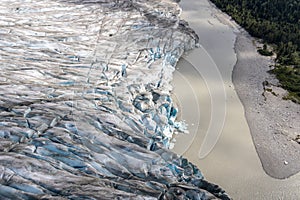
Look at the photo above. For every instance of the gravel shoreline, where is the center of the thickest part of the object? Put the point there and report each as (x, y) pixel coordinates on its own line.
(273, 122)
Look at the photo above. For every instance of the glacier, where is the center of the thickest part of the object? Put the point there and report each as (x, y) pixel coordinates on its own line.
(85, 105)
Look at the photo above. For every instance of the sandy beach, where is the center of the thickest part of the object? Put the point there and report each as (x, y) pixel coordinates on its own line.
(256, 155)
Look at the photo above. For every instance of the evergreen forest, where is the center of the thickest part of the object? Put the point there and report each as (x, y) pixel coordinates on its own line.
(277, 23)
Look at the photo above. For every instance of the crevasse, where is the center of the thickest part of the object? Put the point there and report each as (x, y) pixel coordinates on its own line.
(85, 102)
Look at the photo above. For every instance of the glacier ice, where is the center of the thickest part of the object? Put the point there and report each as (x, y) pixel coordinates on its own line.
(85, 106)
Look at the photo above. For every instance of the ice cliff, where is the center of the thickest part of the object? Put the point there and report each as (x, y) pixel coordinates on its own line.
(85, 107)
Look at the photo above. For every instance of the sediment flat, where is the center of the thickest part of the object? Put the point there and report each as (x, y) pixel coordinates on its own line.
(273, 122)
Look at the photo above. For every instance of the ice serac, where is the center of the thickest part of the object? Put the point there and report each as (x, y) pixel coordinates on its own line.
(85, 107)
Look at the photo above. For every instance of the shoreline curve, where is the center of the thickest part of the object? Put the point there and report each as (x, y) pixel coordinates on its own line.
(265, 112)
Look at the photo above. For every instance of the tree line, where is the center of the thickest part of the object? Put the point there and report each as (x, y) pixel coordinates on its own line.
(276, 22)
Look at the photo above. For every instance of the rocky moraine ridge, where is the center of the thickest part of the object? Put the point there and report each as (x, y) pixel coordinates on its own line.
(85, 107)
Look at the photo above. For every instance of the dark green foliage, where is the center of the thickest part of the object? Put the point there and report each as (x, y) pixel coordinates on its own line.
(264, 51)
(289, 77)
(277, 22)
